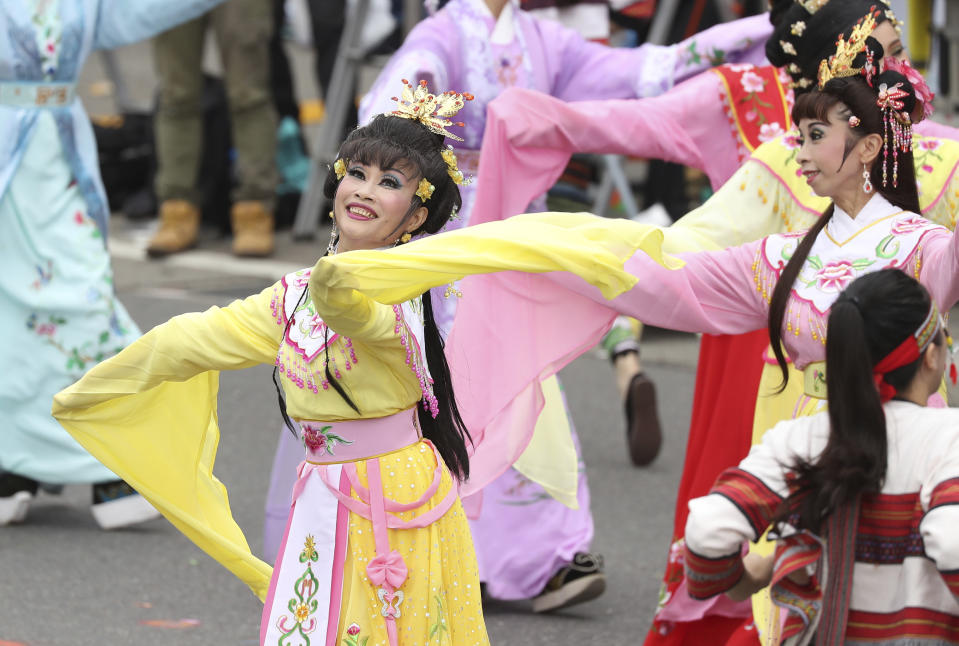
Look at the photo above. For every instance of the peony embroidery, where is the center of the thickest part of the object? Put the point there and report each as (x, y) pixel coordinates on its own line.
(926, 155)
(905, 226)
(835, 276)
(321, 440)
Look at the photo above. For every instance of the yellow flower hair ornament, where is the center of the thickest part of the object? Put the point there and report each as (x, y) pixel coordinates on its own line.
(339, 167)
(425, 190)
(455, 173)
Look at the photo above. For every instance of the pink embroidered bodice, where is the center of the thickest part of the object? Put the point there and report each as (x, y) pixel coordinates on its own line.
(728, 292)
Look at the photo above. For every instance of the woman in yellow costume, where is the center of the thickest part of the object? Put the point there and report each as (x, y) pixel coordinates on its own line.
(377, 549)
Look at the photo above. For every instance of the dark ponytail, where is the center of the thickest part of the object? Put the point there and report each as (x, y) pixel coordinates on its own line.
(783, 289)
(869, 320)
(860, 99)
(447, 430)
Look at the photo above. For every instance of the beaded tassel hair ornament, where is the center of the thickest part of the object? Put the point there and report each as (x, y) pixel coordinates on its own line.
(897, 122)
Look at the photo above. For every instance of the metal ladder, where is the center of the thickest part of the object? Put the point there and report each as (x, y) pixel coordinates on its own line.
(337, 99)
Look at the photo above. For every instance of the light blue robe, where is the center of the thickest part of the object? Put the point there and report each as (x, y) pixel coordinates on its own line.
(58, 311)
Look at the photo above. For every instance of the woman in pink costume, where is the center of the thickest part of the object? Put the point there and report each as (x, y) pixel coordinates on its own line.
(855, 155)
(707, 122)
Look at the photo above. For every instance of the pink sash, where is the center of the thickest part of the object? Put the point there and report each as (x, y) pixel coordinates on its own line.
(352, 441)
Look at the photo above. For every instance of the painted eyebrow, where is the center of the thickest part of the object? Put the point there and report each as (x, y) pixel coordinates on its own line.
(385, 170)
(392, 168)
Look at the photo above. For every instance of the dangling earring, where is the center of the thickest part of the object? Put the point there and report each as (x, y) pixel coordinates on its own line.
(334, 238)
(403, 239)
(866, 182)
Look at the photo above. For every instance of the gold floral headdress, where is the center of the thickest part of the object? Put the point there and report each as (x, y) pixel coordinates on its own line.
(841, 64)
(432, 110)
(897, 123)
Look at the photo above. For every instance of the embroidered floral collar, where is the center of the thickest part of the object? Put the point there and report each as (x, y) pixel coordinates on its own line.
(842, 226)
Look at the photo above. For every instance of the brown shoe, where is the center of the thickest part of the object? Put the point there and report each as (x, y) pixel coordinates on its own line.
(644, 436)
(252, 229)
(179, 225)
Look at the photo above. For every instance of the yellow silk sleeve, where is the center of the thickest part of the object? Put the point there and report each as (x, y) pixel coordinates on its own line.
(149, 414)
(591, 247)
(350, 313)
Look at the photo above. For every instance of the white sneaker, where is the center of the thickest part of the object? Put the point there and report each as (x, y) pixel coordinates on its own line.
(116, 504)
(13, 509)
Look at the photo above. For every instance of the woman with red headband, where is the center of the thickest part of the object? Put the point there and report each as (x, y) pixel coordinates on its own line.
(864, 498)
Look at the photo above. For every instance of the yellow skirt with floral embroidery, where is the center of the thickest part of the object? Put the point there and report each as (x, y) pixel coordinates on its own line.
(321, 574)
(441, 596)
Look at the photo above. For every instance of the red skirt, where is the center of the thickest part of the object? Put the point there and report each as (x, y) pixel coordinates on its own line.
(720, 435)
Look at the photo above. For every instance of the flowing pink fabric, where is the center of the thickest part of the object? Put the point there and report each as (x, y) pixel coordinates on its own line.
(339, 562)
(530, 137)
(512, 331)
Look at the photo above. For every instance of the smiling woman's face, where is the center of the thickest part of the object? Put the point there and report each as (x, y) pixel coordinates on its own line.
(372, 204)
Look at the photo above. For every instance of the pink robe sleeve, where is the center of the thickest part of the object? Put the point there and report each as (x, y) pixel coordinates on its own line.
(530, 137)
(939, 267)
(713, 293)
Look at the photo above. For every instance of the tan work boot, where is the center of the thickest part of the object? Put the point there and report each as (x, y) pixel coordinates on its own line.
(252, 229)
(179, 225)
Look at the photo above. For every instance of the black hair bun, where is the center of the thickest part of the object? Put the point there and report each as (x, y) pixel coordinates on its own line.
(777, 9)
(783, 16)
(800, 40)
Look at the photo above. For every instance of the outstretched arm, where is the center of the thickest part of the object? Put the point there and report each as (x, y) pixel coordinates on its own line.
(588, 70)
(422, 57)
(241, 335)
(149, 414)
(530, 137)
(738, 509)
